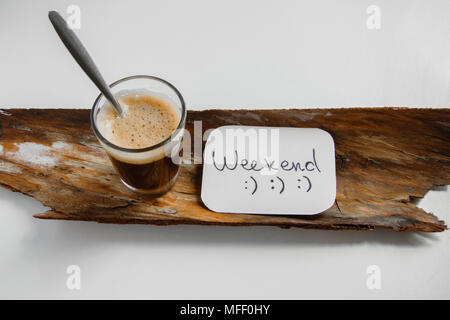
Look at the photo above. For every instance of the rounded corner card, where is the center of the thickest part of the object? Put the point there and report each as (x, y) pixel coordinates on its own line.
(269, 170)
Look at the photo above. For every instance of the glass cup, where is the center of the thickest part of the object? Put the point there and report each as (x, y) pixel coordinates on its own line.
(153, 169)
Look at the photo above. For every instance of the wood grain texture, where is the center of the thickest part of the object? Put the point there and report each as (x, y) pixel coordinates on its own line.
(384, 158)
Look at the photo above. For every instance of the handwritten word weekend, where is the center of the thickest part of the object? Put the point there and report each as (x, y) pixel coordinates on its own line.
(253, 165)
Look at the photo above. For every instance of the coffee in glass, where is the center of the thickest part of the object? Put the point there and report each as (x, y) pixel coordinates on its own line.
(143, 143)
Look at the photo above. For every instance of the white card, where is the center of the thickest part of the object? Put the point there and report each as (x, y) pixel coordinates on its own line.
(265, 170)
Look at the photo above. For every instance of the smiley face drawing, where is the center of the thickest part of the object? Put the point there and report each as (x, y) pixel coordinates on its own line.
(249, 182)
(307, 180)
(273, 183)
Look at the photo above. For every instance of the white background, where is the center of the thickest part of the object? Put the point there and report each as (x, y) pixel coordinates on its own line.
(226, 54)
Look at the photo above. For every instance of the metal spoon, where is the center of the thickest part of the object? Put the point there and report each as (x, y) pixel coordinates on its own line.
(80, 54)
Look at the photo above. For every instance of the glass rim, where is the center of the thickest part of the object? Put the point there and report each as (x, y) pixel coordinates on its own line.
(149, 148)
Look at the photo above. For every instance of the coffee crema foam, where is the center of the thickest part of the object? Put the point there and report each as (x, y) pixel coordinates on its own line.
(146, 121)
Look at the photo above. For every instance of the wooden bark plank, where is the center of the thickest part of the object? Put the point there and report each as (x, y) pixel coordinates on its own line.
(384, 157)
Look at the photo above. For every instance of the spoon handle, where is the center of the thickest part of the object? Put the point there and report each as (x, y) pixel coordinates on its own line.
(80, 54)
